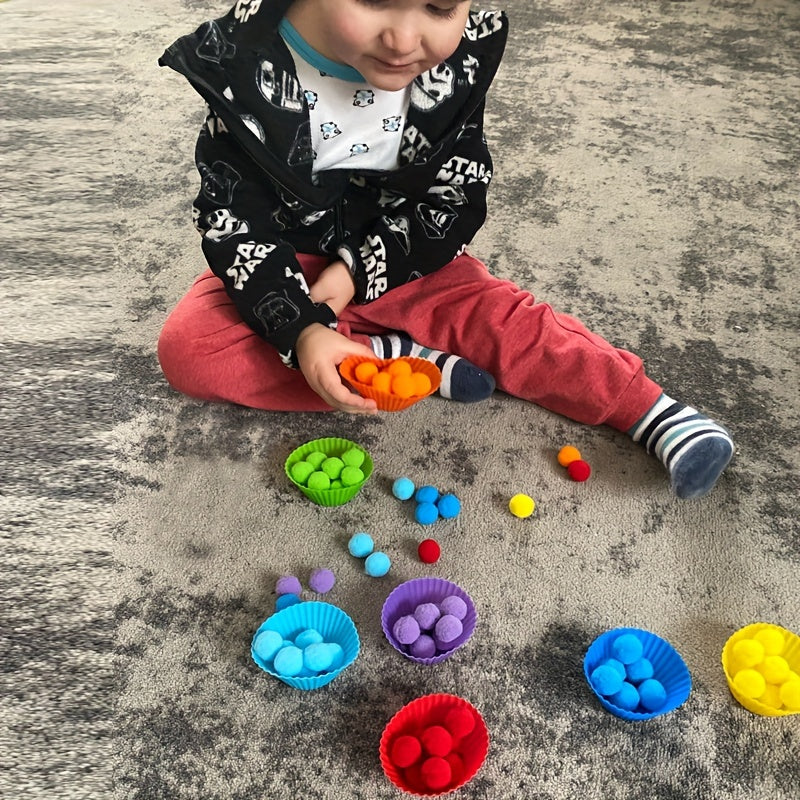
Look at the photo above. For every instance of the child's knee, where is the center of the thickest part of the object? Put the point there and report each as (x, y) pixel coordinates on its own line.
(175, 355)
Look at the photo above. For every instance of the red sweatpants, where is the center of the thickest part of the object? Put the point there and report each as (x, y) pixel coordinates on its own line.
(208, 352)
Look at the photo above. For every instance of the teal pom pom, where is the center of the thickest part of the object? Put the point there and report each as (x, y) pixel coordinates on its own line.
(266, 644)
(377, 564)
(360, 545)
(403, 488)
(288, 661)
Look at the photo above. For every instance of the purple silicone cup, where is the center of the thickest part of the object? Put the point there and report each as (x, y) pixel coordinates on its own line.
(407, 596)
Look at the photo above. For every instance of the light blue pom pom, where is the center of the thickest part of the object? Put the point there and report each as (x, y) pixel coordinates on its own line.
(266, 644)
(403, 488)
(377, 564)
(307, 637)
(288, 661)
(360, 545)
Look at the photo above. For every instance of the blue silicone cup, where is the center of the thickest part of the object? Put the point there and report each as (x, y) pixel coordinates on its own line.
(668, 668)
(331, 622)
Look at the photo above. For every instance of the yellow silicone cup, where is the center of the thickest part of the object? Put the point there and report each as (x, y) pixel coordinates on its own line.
(791, 652)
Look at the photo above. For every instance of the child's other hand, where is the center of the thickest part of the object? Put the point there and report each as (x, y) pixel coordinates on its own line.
(334, 286)
(319, 351)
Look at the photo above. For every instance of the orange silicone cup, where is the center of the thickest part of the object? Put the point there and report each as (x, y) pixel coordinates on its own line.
(385, 400)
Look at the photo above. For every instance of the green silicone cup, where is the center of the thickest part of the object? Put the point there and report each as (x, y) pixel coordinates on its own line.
(331, 446)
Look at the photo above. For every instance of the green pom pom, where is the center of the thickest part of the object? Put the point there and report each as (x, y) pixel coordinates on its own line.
(300, 471)
(332, 467)
(353, 457)
(351, 476)
(318, 480)
(316, 458)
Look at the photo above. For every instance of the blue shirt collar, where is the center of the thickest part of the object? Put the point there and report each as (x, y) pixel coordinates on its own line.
(317, 60)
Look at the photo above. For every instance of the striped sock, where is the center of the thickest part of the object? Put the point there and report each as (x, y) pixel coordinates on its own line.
(461, 379)
(694, 448)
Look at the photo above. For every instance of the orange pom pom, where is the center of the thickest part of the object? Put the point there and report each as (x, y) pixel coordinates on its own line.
(568, 454)
(398, 368)
(402, 386)
(366, 371)
(421, 383)
(382, 382)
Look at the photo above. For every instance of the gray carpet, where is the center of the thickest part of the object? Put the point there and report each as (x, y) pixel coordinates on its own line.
(647, 161)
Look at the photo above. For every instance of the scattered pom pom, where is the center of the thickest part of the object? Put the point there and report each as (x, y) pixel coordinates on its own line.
(579, 471)
(627, 648)
(567, 454)
(652, 694)
(436, 740)
(288, 584)
(266, 644)
(460, 722)
(454, 606)
(377, 564)
(403, 488)
(521, 505)
(429, 551)
(449, 506)
(426, 513)
(436, 772)
(406, 629)
(448, 628)
(423, 647)
(321, 580)
(360, 545)
(288, 661)
(606, 680)
(405, 751)
(627, 697)
(426, 615)
(286, 600)
(427, 494)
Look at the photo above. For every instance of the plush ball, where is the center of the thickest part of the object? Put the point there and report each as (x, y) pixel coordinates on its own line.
(775, 669)
(579, 471)
(456, 766)
(421, 382)
(627, 648)
(627, 697)
(332, 467)
(427, 494)
(618, 666)
(652, 694)
(448, 628)
(377, 564)
(399, 367)
(406, 629)
(337, 654)
(454, 606)
(360, 545)
(382, 382)
(606, 680)
(790, 695)
(403, 386)
(423, 647)
(316, 458)
(403, 488)
(639, 670)
(266, 644)
(771, 639)
(300, 471)
(319, 481)
(307, 637)
(449, 506)
(321, 580)
(286, 600)
(436, 740)
(429, 551)
(436, 772)
(567, 454)
(354, 457)
(427, 614)
(351, 476)
(771, 696)
(426, 513)
(520, 505)
(750, 683)
(366, 371)
(460, 722)
(288, 661)
(405, 750)
(288, 584)
(318, 657)
(747, 652)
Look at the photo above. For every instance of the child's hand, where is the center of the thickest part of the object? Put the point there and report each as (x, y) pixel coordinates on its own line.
(334, 286)
(319, 351)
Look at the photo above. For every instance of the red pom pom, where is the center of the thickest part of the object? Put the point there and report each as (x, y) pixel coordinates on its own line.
(460, 722)
(579, 470)
(429, 551)
(405, 751)
(436, 773)
(437, 740)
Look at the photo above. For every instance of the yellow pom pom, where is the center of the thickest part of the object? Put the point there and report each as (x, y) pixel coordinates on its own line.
(771, 639)
(771, 696)
(774, 669)
(750, 683)
(568, 454)
(748, 653)
(790, 695)
(520, 505)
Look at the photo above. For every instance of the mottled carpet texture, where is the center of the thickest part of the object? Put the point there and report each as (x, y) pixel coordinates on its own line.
(647, 160)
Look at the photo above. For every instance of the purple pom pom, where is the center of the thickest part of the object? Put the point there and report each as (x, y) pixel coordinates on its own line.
(426, 614)
(288, 584)
(448, 629)
(406, 629)
(454, 606)
(321, 580)
(424, 647)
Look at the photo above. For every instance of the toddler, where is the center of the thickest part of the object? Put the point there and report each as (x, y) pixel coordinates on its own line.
(343, 172)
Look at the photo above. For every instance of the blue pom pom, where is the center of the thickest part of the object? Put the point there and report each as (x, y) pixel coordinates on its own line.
(627, 648)
(639, 671)
(426, 513)
(427, 494)
(403, 488)
(307, 637)
(652, 694)
(606, 680)
(288, 661)
(318, 657)
(360, 545)
(286, 600)
(627, 697)
(449, 506)
(618, 666)
(266, 644)
(377, 564)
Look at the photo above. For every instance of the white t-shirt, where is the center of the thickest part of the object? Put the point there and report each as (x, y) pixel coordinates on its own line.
(353, 125)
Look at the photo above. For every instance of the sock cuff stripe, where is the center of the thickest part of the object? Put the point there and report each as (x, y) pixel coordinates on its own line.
(674, 438)
(638, 429)
(689, 441)
(671, 411)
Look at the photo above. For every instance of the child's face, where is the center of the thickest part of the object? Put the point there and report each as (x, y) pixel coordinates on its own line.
(390, 42)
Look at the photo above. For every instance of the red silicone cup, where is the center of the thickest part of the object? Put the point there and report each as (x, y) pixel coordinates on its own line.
(412, 719)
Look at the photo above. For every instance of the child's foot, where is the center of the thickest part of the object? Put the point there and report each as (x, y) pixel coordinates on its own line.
(694, 448)
(461, 379)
